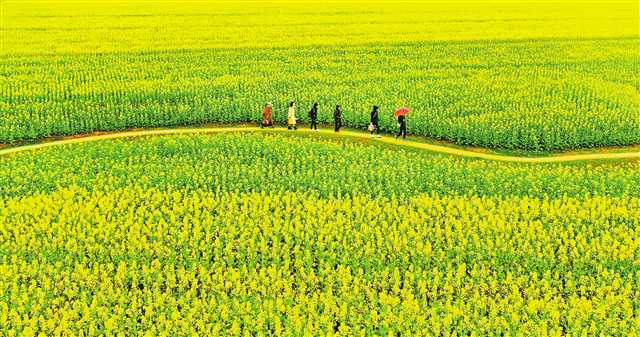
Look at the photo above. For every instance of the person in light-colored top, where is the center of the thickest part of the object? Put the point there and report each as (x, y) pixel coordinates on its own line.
(291, 116)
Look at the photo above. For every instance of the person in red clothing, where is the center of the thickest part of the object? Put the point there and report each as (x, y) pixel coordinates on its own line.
(267, 115)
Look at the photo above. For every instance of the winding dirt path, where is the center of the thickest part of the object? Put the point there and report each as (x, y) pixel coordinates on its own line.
(346, 133)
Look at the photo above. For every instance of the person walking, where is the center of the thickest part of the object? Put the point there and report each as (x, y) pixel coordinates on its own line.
(402, 124)
(374, 127)
(267, 116)
(291, 117)
(313, 117)
(337, 118)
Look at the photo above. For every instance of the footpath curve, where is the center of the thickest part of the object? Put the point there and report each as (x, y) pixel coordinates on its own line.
(346, 133)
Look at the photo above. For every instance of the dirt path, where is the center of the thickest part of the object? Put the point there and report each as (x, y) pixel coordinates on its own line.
(353, 134)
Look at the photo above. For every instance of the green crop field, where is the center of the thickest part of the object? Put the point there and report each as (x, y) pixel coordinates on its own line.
(310, 236)
(535, 76)
(200, 223)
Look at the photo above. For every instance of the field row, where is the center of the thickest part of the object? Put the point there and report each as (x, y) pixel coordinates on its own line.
(307, 235)
(65, 27)
(570, 82)
(279, 162)
(484, 94)
(139, 261)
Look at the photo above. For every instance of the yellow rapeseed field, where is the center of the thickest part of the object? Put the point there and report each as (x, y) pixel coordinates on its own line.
(536, 76)
(304, 236)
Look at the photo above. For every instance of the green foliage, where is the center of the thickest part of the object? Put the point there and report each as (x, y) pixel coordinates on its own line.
(472, 75)
(283, 235)
(270, 162)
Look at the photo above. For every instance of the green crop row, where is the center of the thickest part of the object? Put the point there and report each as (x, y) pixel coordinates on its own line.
(272, 162)
(553, 85)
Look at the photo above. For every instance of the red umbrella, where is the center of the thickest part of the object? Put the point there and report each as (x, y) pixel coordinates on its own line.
(401, 111)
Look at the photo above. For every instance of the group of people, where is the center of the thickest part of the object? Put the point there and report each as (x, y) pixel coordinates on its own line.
(292, 121)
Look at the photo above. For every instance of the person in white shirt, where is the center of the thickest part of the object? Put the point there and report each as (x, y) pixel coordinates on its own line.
(291, 116)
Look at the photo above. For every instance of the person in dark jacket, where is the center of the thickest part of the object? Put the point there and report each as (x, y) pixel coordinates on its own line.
(373, 127)
(313, 117)
(402, 123)
(337, 118)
